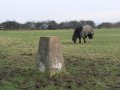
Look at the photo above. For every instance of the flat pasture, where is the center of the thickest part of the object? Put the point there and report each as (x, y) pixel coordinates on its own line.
(90, 66)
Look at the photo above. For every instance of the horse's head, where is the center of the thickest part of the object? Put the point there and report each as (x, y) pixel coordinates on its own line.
(74, 39)
(90, 35)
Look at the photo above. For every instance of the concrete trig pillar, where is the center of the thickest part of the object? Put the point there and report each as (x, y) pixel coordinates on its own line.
(50, 57)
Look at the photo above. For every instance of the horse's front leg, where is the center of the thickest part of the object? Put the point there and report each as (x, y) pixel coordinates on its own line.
(84, 39)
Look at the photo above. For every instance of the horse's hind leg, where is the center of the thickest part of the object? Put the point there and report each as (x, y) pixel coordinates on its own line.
(89, 40)
(74, 41)
(79, 40)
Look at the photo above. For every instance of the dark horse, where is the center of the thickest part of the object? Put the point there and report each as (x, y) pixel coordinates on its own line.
(82, 32)
(76, 34)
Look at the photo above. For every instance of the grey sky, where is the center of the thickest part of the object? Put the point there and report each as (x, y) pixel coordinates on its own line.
(60, 10)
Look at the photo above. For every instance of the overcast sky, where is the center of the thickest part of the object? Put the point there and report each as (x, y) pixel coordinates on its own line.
(60, 10)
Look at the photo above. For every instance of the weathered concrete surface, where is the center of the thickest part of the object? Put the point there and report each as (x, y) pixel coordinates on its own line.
(50, 57)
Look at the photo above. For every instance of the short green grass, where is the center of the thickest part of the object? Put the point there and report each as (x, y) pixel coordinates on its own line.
(91, 66)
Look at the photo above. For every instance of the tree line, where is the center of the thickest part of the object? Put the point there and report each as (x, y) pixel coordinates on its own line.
(52, 25)
(109, 25)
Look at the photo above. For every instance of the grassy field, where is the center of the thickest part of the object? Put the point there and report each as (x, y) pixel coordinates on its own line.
(91, 66)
